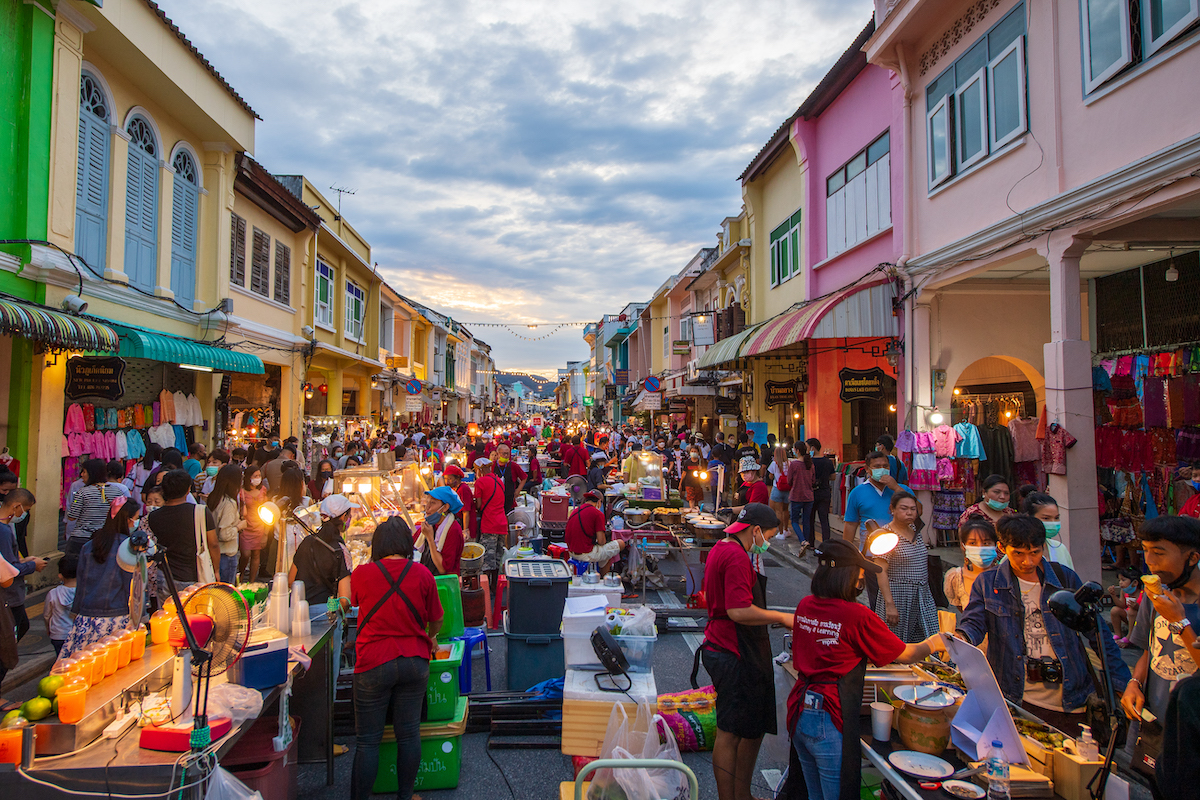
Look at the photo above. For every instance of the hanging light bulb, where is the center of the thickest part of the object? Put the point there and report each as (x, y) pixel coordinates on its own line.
(935, 417)
(1172, 272)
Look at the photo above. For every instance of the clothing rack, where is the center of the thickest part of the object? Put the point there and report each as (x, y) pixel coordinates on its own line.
(970, 407)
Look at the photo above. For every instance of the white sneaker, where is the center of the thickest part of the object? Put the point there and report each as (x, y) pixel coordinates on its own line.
(779, 536)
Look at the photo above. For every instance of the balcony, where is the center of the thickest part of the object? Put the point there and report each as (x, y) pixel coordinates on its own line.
(590, 331)
(616, 328)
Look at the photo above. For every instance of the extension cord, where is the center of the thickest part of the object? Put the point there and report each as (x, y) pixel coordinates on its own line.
(124, 721)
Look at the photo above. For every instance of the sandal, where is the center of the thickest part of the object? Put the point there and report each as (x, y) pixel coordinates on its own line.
(340, 750)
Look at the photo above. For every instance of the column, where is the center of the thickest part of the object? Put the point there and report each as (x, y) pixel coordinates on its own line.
(333, 401)
(1069, 403)
(69, 29)
(43, 477)
(114, 269)
(166, 207)
(213, 235)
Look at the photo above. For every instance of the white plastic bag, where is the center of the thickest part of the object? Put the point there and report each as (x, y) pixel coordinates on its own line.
(241, 702)
(632, 621)
(648, 736)
(223, 786)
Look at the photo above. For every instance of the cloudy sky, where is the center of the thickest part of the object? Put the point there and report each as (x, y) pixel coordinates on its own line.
(519, 161)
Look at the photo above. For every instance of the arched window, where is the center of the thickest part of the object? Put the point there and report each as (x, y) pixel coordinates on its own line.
(141, 205)
(91, 178)
(185, 211)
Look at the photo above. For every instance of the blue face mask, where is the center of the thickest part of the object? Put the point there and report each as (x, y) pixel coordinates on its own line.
(879, 474)
(1052, 528)
(759, 549)
(434, 519)
(981, 556)
(996, 505)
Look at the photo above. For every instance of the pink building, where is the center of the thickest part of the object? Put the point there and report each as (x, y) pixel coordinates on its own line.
(1050, 215)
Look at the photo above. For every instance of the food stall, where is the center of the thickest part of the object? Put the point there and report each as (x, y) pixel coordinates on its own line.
(381, 494)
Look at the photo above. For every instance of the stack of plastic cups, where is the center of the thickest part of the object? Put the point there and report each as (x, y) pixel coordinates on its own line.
(279, 608)
(301, 624)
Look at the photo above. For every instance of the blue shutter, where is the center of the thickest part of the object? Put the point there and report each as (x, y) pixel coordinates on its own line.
(184, 207)
(91, 190)
(141, 208)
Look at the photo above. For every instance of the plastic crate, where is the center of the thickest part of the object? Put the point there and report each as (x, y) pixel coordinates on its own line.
(532, 658)
(555, 508)
(442, 693)
(441, 755)
(537, 592)
(256, 763)
(450, 593)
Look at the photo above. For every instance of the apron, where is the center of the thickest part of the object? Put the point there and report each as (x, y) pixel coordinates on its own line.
(510, 488)
(439, 539)
(850, 696)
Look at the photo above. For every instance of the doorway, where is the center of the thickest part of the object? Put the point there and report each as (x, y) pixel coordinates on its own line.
(870, 419)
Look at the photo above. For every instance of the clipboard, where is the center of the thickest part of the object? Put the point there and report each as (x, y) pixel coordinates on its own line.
(984, 715)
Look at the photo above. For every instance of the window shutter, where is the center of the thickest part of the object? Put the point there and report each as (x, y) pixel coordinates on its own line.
(260, 264)
(283, 273)
(237, 250)
(183, 241)
(91, 191)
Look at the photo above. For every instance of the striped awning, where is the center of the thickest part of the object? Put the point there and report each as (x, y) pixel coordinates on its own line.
(861, 311)
(55, 330)
(141, 343)
(727, 349)
(780, 331)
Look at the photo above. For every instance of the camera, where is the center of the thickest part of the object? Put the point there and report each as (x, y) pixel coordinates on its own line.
(1043, 670)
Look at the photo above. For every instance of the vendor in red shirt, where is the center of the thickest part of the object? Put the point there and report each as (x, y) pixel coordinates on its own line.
(834, 637)
(453, 477)
(493, 522)
(575, 457)
(585, 533)
(399, 618)
(1192, 507)
(513, 477)
(737, 651)
(440, 537)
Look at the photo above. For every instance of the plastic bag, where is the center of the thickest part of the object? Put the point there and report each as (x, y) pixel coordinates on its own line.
(776, 748)
(241, 702)
(223, 786)
(631, 621)
(648, 736)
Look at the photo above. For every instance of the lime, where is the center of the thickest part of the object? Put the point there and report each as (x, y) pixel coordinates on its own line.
(54, 707)
(10, 716)
(49, 685)
(37, 708)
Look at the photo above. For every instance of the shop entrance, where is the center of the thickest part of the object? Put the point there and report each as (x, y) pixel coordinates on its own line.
(870, 419)
(791, 420)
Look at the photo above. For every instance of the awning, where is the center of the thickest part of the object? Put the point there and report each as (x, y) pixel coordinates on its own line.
(727, 349)
(862, 311)
(56, 331)
(141, 343)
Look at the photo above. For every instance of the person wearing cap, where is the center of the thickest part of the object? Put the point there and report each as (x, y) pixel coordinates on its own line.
(453, 476)
(595, 473)
(834, 637)
(439, 536)
(752, 490)
(322, 560)
(584, 535)
(737, 650)
(493, 522)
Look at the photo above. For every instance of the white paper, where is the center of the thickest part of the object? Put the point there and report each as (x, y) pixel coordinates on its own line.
(1116, 788)
(575, 606)
(984, 715)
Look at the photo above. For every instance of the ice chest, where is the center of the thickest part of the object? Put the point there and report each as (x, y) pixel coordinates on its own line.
(532, 658)
(441, 694)
(441, 754)
(263, 664)
(579, 653)
(537, 591)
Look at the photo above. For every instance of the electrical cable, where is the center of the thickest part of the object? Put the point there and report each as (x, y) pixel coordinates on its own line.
(501, 770)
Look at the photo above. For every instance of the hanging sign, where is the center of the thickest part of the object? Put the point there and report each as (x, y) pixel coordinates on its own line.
(621, 377)
(780, 393)
(95, 377)
(652, 402)
(702, 329)
(652, 384)
(861, 384)
(413, 404)
(413, 386)
(610, 392)
(588, 400)
(681, 347)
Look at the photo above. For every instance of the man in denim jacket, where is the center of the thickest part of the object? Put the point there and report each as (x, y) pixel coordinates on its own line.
(1039, 662)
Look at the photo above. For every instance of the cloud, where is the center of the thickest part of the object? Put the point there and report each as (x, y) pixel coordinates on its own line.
(519, 161)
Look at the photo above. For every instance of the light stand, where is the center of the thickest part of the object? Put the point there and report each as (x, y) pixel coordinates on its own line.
(1080, 611)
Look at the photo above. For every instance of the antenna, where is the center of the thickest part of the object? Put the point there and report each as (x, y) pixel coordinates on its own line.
(341, 190)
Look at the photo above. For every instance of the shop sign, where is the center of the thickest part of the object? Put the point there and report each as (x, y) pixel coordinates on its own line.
(702, 330)
(861, 384)
(727, 405)
(413, 404)
(782, 392)
(588, 400)
(678, 404)
(621, 377)
(610, 392)
(95, 377)
(652, 402)
(681, 347)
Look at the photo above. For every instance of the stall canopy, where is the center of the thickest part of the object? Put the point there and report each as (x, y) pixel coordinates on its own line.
(862, 311)
(56, 331)
(141, 343)
(727, 349)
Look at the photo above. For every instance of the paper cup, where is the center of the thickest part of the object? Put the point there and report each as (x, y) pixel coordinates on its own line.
(881, 721)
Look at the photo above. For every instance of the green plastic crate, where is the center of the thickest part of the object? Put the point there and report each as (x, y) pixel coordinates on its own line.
(442, 693)
(441, 755)
(450, 593)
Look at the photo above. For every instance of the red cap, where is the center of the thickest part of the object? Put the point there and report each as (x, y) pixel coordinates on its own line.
(455, 470)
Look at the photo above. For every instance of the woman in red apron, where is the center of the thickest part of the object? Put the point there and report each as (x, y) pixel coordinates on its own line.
(737, 650)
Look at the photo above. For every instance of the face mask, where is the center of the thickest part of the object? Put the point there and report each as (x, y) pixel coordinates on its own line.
(996, 505)
(1129, 589)
(695, 457)
(981, 555)
(274, 445)
(501, 459)
(1052, 528)
(211, 471)
(256, 481)
(759, 549)
(326, 474)
(435, 518)
(1196, 485)
(879, 474)
(1184, 576)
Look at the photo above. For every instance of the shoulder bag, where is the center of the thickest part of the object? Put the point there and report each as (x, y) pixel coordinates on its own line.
(204, 566)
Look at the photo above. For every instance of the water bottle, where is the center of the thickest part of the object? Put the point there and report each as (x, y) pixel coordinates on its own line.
(997, 772)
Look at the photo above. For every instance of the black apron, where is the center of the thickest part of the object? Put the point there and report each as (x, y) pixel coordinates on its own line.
(850, 697)
(510, 487)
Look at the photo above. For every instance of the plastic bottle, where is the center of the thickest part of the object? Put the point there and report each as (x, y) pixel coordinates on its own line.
(997, 772)
(1088, 749)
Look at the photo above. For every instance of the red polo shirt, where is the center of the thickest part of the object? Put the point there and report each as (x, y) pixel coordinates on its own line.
(582, 527)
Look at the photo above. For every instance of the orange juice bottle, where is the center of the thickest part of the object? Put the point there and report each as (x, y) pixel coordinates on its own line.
(71, 701)
(160, 626)
(139, 644)
(124, 650)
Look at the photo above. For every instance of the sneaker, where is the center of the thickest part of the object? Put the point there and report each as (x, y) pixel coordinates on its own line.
(779, 537)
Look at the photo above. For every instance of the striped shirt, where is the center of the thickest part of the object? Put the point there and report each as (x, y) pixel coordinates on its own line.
(90, 508)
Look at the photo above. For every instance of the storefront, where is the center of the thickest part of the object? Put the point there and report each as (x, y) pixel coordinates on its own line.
(252, 409)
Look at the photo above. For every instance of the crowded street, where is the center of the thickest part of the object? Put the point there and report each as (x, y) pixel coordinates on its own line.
(562, 400)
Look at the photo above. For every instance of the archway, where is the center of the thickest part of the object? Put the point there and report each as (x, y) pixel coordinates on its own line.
(994, 378)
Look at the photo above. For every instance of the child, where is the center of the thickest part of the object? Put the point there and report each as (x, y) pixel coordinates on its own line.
(1126, 598)
(57, 613)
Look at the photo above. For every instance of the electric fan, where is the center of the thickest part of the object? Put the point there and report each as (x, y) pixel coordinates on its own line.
(219, 623)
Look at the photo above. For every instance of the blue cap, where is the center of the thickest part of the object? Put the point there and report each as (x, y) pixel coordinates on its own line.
(447, 496)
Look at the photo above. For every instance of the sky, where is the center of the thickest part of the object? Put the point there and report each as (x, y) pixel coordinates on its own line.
(523, 162)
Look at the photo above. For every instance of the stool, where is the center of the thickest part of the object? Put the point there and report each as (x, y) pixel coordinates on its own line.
(470, 638)
(579, 567)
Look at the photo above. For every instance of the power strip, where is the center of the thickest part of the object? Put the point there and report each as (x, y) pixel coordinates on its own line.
(124, 721)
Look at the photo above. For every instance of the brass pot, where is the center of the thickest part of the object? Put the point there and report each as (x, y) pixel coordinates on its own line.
(926, 730)
(637, 516)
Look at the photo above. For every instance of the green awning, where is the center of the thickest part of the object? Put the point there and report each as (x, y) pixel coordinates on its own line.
(141, 343)
(727, 349)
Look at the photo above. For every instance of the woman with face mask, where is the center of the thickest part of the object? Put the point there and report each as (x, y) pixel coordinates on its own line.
(321, 485)
(1044, 507)
(691, 485)
(977, 537)
(993, 504)
(322, 560)
(101, 605)
(904, 600)
(253, 536)
(439, 536)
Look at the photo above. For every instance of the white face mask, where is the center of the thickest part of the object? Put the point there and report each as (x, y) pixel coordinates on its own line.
(256, 481)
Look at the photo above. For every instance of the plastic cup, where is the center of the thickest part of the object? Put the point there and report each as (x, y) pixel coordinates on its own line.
(124, 650)
(110, 651)
(71, 702)
(10, 745)
(881, 721)
(139, 644)
(96, 654)
(82, 671)
(64, 667)
(160, 627)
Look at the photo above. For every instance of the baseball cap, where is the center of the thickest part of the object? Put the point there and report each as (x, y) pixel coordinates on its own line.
(454, 471)
(754, 514)
(483, 462)
(841, 553)
(593, 495)
(598, 455)
(336, 504)
(448, 496)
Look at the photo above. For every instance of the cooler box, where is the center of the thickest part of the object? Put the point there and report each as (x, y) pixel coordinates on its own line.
(532, 658)
(450, 593)
(441, 695)
(581, 616)
(263, 664)
(554, 511)
(441, 754)
(537, 591)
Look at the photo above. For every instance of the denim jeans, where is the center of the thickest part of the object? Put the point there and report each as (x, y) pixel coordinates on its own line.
(228, 568)
(401, 684)
(801, 514)
(818, 745)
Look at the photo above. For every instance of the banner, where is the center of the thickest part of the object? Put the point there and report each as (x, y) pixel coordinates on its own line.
(861, 384)
(95, 377)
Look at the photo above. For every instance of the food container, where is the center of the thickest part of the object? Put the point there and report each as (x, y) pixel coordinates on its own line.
(709, 529)
(263, 664)
(669, 516)
(537, 592)
(472, 558)
(442, 692)
(441, 755)
(637, 516)
(924, 719)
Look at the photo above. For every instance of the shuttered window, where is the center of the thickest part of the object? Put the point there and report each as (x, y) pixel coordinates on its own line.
(91, 186)
(237, 250)
(355, 311)
(141, 205)
(323, 295)
(283, 273)
(185, 211)
(260, 264)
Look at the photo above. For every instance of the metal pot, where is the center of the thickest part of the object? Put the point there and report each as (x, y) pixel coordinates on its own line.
(709, 528)
(472, 557)
(637, 516)
(669, 516)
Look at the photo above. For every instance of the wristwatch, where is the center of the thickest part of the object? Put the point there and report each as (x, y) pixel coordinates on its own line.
(1177, 627)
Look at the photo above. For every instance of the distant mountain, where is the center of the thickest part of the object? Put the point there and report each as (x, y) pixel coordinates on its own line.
(539, 386)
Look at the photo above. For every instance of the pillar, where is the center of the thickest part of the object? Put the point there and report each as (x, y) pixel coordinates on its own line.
(44, 477)
(114, 269)
(166, 211)
(69, 30)
(1068, 360)
(333, 401)
(214, 239)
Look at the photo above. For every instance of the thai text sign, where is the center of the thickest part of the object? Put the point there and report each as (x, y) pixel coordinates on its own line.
(780, 392)
(861, 384)
(95, 377)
